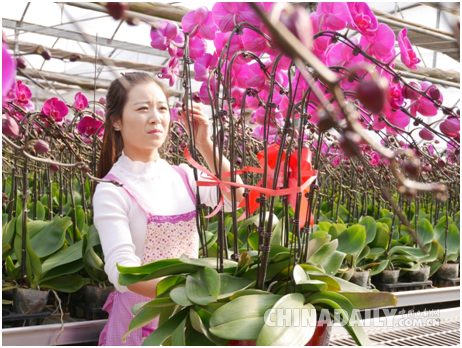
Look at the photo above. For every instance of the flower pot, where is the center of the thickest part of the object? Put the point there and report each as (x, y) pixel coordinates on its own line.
(321, 336)
(387, 276)
(448, 271)
(360, 278)
(29, 301)
(419, 276)
(77, 297)
(96, 296)
(63, 296)
(7, 294)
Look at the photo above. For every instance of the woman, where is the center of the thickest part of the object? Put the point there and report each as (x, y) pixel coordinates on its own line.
(152, 215)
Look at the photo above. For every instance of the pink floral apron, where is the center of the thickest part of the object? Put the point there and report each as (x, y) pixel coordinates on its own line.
(167, 237)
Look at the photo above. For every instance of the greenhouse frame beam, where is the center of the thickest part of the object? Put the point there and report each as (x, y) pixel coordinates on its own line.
(421, 35)
(27, 47)
(87, 83)
(444, 6)
(72, 35)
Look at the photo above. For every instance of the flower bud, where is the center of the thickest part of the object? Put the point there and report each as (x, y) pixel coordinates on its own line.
(434, 93)
(84, 168)
(117, 9)
(196, 97)
(133, 21)
(348, 142)
(359, 169)
(46, 54)
(102, 100)
(9, 126)
(450, 127)
(238, 161)
(425, 134)
(75, 57)
(21, 62)
(53, 167)
(41, 146)
(408, 93)
(372, 94)
(427, 168)
(412, 167)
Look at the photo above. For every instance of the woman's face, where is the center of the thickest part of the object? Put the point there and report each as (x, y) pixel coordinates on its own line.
(145, 119)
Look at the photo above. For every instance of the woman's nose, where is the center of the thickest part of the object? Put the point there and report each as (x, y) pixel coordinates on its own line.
(155, 117)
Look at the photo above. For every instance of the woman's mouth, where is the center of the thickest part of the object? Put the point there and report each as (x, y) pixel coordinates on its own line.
(155, 131)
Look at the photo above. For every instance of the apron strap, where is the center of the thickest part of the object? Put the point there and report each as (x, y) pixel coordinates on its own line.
(185, 178)
(130, 193)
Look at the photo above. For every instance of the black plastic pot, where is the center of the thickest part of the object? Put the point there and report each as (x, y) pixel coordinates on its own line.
(387, 276)
(96, 296)
(448, 271)
(29, 301)
(360, 278)
(7, 294)
(419, 276)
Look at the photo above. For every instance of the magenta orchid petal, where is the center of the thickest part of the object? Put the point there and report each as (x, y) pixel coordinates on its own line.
(450, 127)
(424, 107)
(199, 23)
(203, 65)
(81, 102)
(395, 96)
(334, 15)
(23, 93)
(197, 47)
(225, 14)
(171, 30)
(408, 56)
(399, 119)
(8, 70)
(411, 94)
(55, 108)
(381, 45)
(89, 126)
(362, 18)
(254, 42)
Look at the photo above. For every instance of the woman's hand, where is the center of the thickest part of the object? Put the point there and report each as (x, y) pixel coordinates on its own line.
(199, 124)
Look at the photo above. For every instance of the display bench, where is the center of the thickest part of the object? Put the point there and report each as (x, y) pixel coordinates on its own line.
(88, 331)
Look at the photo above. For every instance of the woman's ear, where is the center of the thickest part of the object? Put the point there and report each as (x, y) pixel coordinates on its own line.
(116, 124)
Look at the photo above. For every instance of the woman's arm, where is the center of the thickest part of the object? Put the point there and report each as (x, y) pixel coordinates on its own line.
(205, 147)
(147, 288)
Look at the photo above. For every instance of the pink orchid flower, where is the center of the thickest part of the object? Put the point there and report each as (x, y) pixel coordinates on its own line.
(409, 93)
(171, 71)
(424, 106)
(394, 96)
(362, 18)
(408, 56)
(100, 112)
(397, 118)
(342, 55)
(8, 70)
(381, 45)
(89, 126)
(258, 79)
(174, 112)
(259, 134)
(425, 134)
(81, 102)
(227, 14)
(260, 117)
(375, 159)
(334, 15)
(199, 23)
(450, 127)
(167, 36)
(56, 109)
(203, 65)
(235, 46)
(204, 94)
(197, 48)
(23, 94)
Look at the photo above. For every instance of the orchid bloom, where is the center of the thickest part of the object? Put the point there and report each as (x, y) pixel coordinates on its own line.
(307, 174)
(171, 71)
(362, 18)
(204, 94)
(203, 65)
(167, 36)
(422, 105)
(235, 46)
(342, 55)
(8, 70)
(394, 96)
(397, 118)
(381, 45)
(334, 15)
(23, 93)
(88, 126)
(81, 102)
(56, 109)
(408, 56)
(227, 14)
(199, 23)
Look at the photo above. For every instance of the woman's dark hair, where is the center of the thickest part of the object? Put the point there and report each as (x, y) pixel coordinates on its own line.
(115, 101)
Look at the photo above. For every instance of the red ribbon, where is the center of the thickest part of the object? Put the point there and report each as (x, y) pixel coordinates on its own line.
(221, 184)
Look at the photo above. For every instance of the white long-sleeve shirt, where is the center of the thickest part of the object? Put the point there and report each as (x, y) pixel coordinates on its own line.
(120, 221)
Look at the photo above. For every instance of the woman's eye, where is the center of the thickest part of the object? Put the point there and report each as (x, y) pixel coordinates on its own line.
(143, 108)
